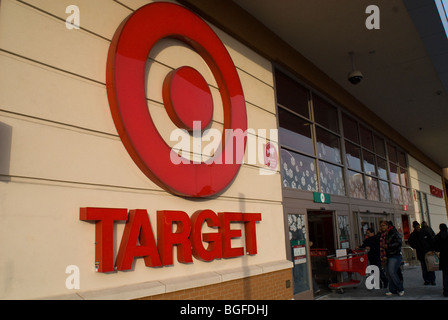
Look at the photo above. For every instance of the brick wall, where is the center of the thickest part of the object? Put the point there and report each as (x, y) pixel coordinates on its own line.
(269, 286)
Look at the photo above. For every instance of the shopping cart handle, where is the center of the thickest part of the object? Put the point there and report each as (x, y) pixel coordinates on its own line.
(354, 254)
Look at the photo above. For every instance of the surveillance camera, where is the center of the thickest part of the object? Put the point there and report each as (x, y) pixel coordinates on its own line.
(355, 77)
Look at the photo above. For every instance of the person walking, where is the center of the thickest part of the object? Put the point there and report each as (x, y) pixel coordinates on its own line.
(422, 241)
(372, 245)
(390, 243)
(441, 245)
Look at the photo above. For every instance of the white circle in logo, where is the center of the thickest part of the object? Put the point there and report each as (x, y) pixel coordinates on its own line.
(322, 197)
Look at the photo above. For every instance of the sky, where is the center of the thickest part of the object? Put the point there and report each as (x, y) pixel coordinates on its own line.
(442, 5)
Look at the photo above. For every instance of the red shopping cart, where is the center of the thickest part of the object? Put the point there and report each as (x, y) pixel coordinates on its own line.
(355, 262)
(319, 252)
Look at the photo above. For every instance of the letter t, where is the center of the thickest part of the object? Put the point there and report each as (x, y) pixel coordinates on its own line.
(104, 233)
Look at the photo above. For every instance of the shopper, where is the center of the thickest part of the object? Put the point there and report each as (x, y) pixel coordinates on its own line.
(372, 244)
(390, 243)
(422, 241)
(426, 227)
(441, 244)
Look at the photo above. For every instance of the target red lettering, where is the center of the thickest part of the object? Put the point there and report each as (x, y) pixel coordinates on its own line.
(104, 228)
(168, 239)
(138, 239)
(213, 250)
(137, 229)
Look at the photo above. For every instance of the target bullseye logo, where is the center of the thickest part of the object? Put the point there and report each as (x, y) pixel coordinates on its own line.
(186, 97)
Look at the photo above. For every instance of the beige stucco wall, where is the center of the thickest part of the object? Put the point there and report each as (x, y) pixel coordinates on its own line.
(421, 178)
(60, 151)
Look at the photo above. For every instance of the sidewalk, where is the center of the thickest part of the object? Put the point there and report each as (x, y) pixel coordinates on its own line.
(413, 289)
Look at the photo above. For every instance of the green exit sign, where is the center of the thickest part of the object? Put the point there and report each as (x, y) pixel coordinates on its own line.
(321, 197)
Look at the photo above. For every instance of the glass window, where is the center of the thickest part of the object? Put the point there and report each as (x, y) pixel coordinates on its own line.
(292, 95)
(366, 138)
(298, 171)
(350, 128)
(328, 146)
(372, 191)
(344, 232)
(402, 159)
(369, 162)
(356, 184)
(380, 149)
(331, 180)
(353, 156)
(394, 177)
(384, 191)
(403, 177)
(406, 197)
(372, 167)
(295, 132)
(382, 168)
(396, 194)
(325, 114)
(392, 152)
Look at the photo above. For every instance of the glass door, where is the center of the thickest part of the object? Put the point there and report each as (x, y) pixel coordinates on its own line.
(323, 242)
(369, 220)
(298, 241)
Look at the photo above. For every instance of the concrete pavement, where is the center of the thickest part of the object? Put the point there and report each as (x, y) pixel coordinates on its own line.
(414, 289)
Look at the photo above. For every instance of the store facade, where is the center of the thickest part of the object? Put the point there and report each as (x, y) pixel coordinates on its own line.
(129, 195)
(340, 176)
(427, 194)
(343, 168)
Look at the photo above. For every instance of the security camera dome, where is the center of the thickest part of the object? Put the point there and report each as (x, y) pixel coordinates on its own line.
(355, 77)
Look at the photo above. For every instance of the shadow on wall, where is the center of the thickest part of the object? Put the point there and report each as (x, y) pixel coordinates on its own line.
(5, 151)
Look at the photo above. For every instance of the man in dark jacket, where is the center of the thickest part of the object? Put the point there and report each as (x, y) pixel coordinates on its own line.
(422, 241)
(441, 244)
(372, 244)
(426, 227)
(391, 243)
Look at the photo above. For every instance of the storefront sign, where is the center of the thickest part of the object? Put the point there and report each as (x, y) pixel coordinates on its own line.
(299, 251)
(320, 197)
(189, 104)
(436, 191)
(182, 89)
(138, 239)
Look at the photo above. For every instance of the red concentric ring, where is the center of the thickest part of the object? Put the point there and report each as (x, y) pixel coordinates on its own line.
(126, 64)
(187, 98)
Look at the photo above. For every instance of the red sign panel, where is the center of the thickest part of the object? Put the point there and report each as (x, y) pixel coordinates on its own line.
(186, 98)
(436, 191)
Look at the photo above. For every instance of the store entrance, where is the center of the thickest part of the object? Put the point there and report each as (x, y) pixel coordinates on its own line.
(369, 220)
(322, 243)
(321, 230)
